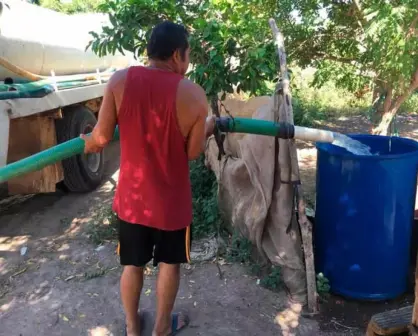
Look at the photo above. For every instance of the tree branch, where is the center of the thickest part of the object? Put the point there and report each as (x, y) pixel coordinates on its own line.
(305, 225)
(411, 29)
(360, 15)
(412, 87)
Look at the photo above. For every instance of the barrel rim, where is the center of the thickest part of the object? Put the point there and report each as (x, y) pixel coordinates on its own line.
(347, 155)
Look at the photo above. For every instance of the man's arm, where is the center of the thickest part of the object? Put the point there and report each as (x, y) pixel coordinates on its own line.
(103, 132)
(194, 104)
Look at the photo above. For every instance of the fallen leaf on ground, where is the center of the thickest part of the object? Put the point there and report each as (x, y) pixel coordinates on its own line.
(64, 318)
(19, 272)
(222, 262)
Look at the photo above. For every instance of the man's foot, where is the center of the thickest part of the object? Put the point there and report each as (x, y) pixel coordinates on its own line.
(133, 330)
(141, 326)
(129, 333)
(178, 323)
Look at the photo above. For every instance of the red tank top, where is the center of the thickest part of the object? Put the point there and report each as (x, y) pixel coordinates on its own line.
(154, 184)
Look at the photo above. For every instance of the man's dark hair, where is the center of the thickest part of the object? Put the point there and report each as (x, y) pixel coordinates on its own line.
(166, 38)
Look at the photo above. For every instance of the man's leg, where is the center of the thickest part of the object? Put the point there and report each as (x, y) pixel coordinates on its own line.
(130, 289)
(172, 249)
(167, 286)
(135, 251)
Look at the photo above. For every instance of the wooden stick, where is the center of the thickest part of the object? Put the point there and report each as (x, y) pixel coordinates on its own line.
(304, 223)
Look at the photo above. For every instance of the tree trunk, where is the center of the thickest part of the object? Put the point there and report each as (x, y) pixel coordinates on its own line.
(386, 120)
(377, 106)
(382, 110)
(391, 106)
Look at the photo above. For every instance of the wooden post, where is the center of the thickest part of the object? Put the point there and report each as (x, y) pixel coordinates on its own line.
(304, 223)
(414, 322)
(29, 136)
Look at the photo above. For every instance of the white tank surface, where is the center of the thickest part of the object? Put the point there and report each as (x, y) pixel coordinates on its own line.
(40, 40)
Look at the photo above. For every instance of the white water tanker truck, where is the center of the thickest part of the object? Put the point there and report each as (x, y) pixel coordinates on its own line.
(50, 92)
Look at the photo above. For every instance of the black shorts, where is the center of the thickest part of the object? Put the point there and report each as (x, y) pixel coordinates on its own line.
(138, 244)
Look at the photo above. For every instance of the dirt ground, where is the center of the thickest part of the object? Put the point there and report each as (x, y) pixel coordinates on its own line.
(55, 281)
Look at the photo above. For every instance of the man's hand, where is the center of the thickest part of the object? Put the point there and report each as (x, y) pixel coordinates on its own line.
(90, 145)
(210, 125)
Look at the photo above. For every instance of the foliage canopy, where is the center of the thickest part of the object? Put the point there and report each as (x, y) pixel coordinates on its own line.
(361, 45)
(231, 42)
(368, 45)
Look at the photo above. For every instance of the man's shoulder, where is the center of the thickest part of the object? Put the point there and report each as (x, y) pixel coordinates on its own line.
(118, 78)
(191, 99)
(191, 90)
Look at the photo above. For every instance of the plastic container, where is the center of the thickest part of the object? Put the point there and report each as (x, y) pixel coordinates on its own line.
(364, 216)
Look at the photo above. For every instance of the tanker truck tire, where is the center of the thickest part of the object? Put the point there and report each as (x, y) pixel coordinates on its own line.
(82, 173)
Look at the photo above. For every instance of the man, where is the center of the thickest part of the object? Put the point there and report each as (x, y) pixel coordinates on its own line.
(163, 123)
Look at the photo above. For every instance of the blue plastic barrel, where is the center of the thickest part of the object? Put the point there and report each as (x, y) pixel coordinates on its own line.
(364, 216)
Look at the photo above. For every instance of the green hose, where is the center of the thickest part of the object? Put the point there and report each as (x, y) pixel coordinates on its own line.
(76, 146)
(250, 126)
(224, 124)
(45, 158)
(41, 88)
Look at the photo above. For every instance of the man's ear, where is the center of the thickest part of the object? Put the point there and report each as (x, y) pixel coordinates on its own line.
(177, 57)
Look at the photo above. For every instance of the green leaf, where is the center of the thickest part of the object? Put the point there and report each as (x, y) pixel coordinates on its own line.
(113, 20)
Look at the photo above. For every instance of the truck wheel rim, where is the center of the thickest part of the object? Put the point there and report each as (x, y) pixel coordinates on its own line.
(91, 160)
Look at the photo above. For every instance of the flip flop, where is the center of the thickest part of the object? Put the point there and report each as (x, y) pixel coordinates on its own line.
(175, 321)
(144, 317)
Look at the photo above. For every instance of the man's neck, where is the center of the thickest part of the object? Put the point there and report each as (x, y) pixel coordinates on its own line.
(165, 66)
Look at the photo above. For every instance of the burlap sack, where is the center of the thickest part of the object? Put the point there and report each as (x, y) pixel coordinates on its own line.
(252, 196)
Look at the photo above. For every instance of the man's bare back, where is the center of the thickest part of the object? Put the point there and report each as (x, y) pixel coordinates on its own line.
(191, 102)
